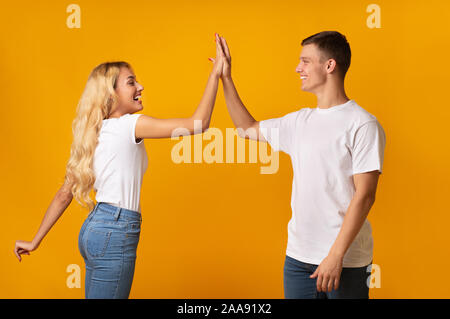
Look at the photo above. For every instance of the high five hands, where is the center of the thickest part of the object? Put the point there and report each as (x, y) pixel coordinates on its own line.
(222, 62)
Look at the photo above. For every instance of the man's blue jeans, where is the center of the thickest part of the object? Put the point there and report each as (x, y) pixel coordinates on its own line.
(108, 242)
(298, 285)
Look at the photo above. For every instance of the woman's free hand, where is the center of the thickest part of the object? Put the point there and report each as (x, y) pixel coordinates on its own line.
(23, 248)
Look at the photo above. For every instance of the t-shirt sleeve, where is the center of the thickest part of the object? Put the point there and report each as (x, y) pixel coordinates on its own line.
(130, 128)
(280, 132)
(368, 148)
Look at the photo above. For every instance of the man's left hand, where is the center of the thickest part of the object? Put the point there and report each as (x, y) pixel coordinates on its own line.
(328, 273)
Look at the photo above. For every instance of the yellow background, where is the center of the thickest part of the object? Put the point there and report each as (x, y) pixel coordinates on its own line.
(220, 230)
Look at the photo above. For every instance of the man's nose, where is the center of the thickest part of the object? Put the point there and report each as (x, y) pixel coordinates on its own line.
(298, 69)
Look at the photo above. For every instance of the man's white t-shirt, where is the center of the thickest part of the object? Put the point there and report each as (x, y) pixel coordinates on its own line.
(120, 163)
(326, 146)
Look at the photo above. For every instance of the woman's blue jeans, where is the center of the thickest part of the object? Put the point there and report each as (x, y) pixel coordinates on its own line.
(353, 283)
(108, 241)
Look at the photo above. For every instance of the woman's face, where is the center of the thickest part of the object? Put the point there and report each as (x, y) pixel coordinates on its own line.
(128, 92)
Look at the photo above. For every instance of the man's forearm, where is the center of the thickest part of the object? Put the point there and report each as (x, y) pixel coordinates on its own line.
(238, 112)
(354, 219)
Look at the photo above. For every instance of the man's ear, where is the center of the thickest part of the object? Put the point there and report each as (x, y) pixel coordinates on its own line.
(331, 65)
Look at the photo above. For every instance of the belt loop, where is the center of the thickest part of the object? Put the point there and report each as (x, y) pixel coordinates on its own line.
(93, 210)
(117, 214)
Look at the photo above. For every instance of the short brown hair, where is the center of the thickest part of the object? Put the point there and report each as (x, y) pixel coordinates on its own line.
(333, 45)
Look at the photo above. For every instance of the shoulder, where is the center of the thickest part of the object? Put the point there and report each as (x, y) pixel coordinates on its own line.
(298, 114)
(288, 120)
(360, 116)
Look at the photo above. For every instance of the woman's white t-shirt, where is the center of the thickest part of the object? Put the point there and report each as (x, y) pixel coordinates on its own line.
(120, 163)
(327, 147)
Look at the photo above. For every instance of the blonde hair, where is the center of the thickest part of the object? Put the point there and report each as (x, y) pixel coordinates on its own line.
(96, 103)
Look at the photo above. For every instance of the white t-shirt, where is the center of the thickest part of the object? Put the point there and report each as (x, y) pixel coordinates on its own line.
(326, 146)
(120, 163)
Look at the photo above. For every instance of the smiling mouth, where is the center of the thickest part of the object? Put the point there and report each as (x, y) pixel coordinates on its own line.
(136, 98)
(303, 77)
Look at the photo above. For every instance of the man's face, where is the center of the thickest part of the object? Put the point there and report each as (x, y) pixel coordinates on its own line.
(312, 70)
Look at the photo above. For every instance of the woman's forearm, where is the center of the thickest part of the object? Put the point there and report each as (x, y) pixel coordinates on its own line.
(205, 108)
(56, 208)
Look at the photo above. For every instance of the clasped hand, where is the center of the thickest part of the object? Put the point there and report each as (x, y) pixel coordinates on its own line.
(222, 62)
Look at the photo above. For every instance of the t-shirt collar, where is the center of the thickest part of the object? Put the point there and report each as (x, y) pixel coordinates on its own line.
(333, 108)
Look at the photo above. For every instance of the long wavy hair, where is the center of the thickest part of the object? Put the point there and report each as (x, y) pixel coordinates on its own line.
(96, 103)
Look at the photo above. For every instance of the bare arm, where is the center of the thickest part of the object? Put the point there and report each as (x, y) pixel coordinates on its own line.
(239, 114)
(151, 127)
(360, 205)
(58, 205)
(329, 271)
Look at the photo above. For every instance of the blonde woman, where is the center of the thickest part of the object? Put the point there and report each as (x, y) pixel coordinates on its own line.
(108, 154)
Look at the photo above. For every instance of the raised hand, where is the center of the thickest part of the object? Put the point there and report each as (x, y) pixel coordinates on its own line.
(226, 71)
(219, 60)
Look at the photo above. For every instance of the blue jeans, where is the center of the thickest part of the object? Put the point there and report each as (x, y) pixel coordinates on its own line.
(298, 285)
(108, 241)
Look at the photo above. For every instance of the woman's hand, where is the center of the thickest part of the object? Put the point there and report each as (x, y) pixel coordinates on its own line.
(219, 60)
(23, 248)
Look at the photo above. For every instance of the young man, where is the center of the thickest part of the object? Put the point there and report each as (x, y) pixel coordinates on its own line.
(337, 151)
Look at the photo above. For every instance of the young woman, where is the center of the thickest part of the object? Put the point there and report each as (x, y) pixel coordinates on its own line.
(108, 154)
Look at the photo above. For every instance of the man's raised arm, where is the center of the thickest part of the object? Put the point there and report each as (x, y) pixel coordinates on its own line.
(247, 126)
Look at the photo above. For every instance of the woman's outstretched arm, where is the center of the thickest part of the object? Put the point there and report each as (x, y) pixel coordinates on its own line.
(60, 202)
(151, 127)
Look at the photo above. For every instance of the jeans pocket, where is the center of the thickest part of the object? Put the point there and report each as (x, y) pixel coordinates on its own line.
(97, 241)
(133, 229)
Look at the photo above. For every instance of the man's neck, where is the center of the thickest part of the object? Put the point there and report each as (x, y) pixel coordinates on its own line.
(331, 96)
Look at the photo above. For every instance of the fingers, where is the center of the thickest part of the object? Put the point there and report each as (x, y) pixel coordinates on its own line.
(330, 284)
(336, 284)
(219, 52)
(19, 250)
(219, 49)
(17, 255)
(319, 282)
(326, 283)
(224, 45)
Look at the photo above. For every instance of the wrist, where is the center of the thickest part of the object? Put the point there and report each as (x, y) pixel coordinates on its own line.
(336, 253)
(226, 77)
(214, 75)
(35, 244)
